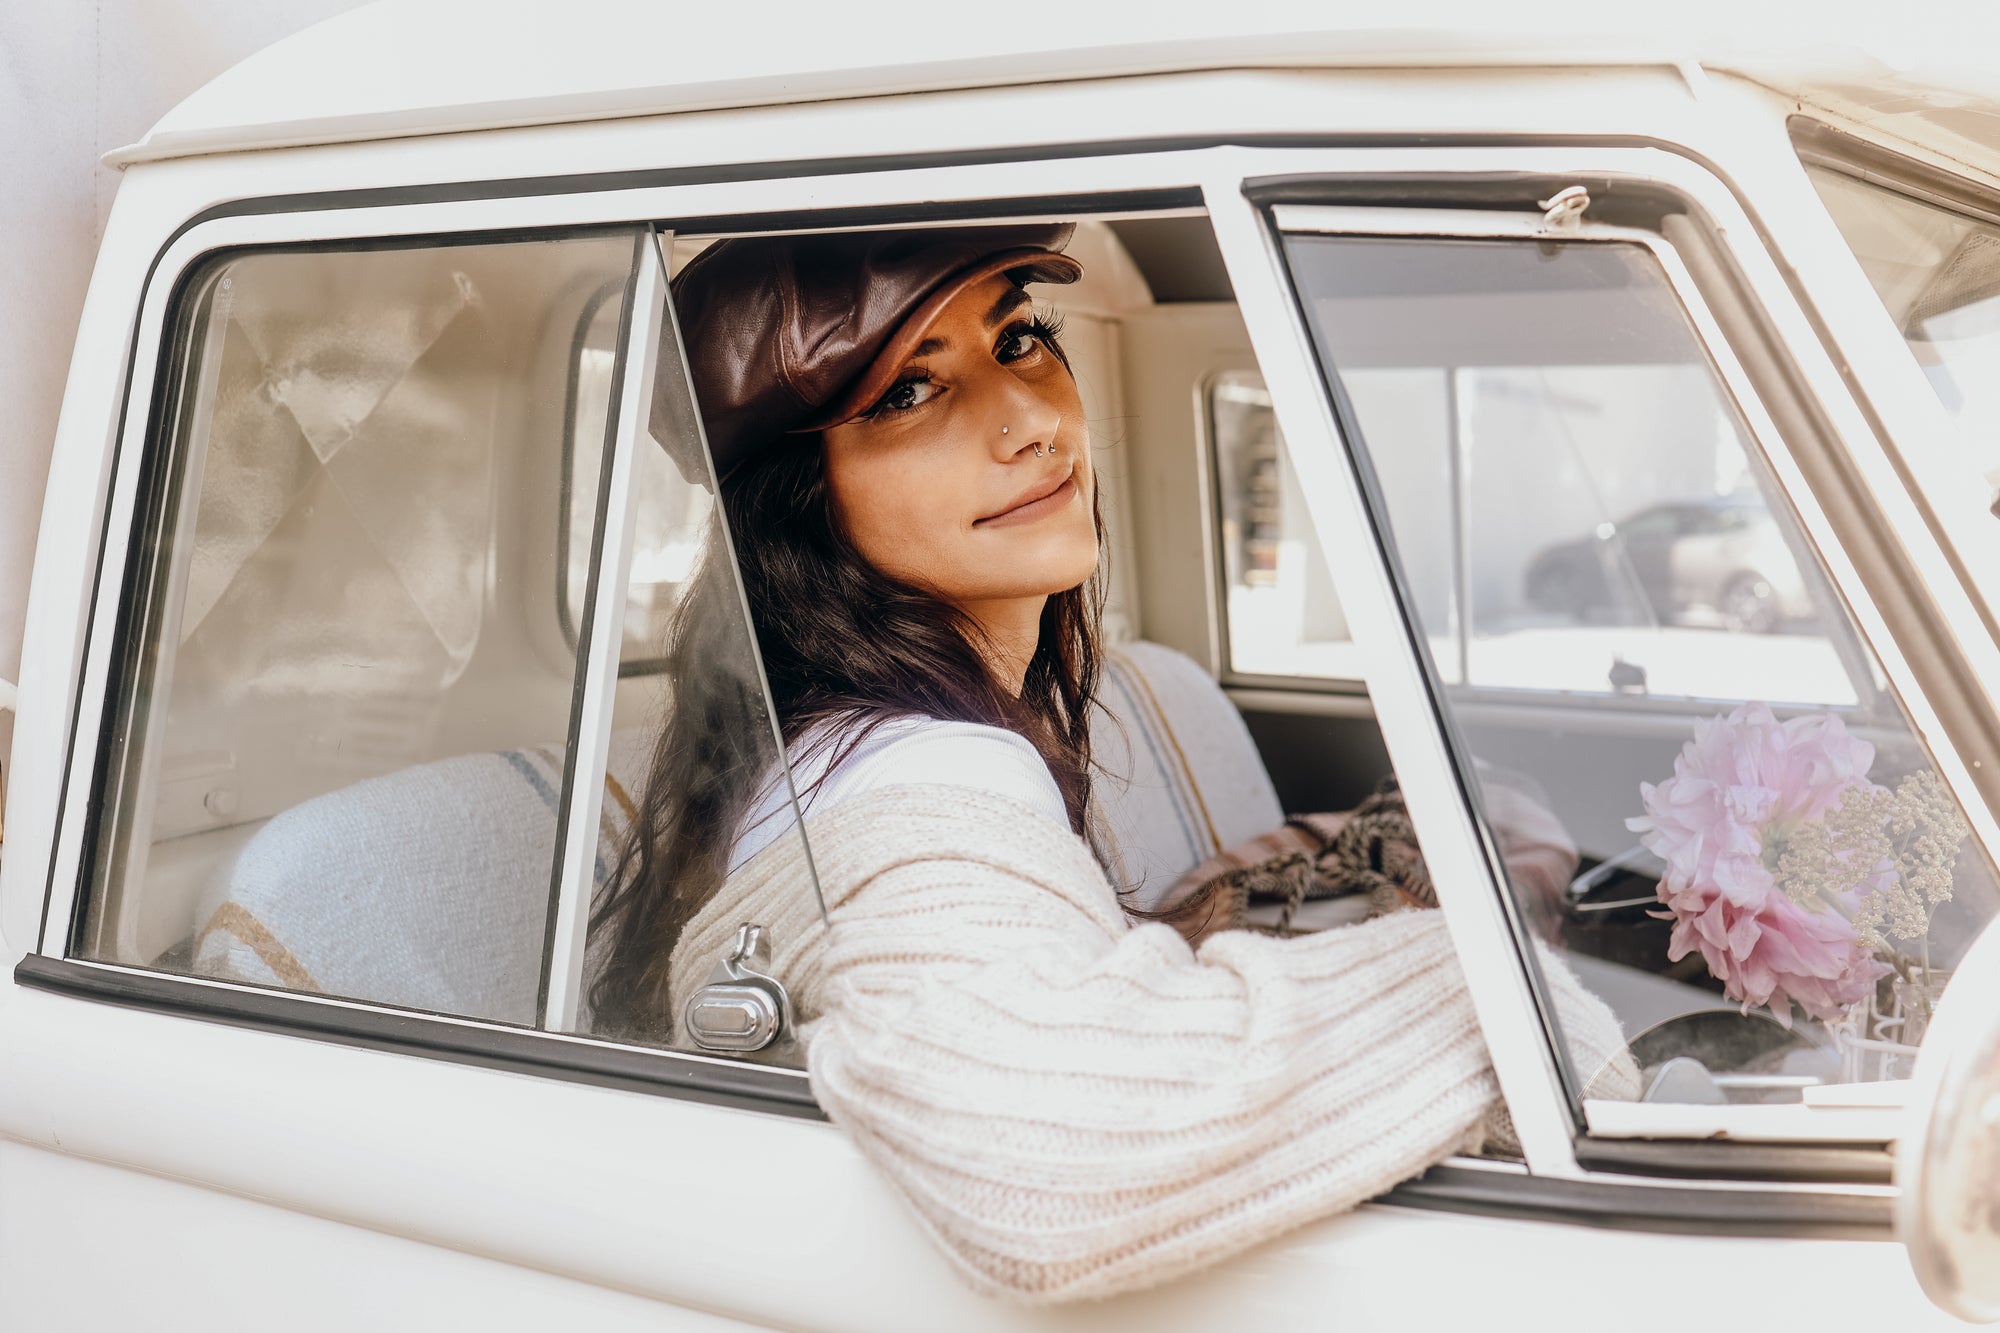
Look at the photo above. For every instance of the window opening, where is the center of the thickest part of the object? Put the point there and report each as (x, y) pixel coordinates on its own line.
(1639, 658)
(336, 762)
(1166, 822)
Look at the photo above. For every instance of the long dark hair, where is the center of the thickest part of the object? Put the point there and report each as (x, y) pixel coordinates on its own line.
(842, 644)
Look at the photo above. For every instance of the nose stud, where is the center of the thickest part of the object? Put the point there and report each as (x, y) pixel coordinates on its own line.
(1003, 430)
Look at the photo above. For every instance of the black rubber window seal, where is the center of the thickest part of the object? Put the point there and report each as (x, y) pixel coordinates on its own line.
(1678, 1210)
(735, 1084)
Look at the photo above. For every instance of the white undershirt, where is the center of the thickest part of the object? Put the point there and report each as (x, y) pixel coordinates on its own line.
(910, 750)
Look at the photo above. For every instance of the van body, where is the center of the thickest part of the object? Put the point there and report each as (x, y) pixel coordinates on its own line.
(1395, 353)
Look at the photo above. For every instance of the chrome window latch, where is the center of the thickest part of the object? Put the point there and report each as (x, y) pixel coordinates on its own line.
(1562, 212)
(743, 1007)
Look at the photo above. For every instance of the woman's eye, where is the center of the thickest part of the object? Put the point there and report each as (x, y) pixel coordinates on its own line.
(904, 395)
(1019, 342)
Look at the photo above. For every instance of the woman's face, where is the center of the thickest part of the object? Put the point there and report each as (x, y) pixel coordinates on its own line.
(971, 476)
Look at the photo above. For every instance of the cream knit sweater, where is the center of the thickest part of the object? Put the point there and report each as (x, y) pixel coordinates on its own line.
(1075, 1107)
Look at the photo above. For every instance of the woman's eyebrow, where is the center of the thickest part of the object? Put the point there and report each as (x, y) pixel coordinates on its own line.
(1015, 298)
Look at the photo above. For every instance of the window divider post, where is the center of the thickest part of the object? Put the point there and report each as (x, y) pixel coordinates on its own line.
(612, 573)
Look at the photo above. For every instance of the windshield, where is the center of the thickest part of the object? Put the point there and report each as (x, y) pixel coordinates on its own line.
(1938, 272)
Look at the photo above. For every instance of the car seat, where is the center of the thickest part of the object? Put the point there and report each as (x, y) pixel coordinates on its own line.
(429, 887)
(1179, 777)
(426, 888)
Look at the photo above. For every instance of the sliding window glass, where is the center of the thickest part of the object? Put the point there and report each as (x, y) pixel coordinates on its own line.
(342, 714)
(1703, 793)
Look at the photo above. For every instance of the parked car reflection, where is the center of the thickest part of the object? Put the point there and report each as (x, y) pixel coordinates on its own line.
(1714, 560)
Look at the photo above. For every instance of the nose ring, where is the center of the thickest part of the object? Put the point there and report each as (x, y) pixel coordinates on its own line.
(1038, 451)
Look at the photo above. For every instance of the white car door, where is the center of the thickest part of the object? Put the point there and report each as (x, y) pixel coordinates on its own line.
(1492, 363)
(221, 1094)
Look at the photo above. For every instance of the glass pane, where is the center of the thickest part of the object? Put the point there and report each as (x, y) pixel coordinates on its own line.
(1736, 838)
(1938, 272)
(694, 759)
(1283, 617)
(339, 743)
(672, 515)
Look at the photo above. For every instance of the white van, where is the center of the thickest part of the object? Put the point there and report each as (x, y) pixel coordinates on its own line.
(343, 654)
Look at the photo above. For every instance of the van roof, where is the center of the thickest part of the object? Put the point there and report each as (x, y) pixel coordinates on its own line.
(413, 67)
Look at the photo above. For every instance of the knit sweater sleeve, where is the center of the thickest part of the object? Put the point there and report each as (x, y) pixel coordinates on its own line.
(1076, 1109)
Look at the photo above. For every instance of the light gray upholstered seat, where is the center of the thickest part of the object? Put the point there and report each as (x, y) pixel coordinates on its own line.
(429, 888)
(1181, 778)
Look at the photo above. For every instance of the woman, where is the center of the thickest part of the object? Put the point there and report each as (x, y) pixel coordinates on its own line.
(1073, 1104)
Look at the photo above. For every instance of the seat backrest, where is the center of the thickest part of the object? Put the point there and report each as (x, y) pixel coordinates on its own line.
(427, 887)
(1180, 778)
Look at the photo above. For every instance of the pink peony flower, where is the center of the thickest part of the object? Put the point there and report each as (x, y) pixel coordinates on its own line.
(1740, 789)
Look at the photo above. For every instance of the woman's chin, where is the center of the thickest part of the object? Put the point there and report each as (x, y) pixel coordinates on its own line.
(1057, 562)
(1046, 580)
(1043, 572)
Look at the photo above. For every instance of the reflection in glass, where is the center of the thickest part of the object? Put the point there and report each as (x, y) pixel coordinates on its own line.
(1582, 514)
(1938, 272)
(1634, 641)
(1283, 617)
(668, 534)
(339, 745)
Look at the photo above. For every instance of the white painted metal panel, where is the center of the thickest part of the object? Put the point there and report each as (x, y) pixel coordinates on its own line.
(599, 676)
(767, 1219)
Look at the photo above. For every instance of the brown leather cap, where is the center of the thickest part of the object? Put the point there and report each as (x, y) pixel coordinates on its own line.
(798, 333)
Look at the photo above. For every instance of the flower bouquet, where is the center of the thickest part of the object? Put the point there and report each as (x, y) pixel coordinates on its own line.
(1801, 882)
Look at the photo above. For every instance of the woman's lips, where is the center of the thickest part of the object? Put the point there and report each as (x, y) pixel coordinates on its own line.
(1030, 511)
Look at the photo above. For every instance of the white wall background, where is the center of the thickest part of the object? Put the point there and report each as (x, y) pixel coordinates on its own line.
(77, 79)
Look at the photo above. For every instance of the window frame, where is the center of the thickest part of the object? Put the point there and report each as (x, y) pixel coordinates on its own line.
(1822, 145)
(147, 427)
(1109, 179)
(158, 473)
(1349, 688)
(1593, 1125)
(1770, 451)
(642, 337)
(588, 313)
(137, 499)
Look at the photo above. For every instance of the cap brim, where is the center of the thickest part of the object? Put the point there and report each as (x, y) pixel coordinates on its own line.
(867, 388)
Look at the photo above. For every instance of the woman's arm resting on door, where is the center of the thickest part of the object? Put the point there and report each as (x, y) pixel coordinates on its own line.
(1076, 1109)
